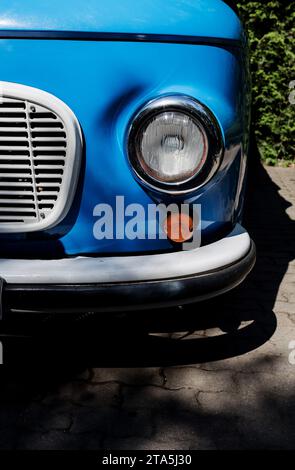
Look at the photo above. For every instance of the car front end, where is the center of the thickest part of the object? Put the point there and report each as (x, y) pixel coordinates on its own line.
(110, 114)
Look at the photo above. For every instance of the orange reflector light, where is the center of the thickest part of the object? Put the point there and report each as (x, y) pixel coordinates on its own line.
(179, 227)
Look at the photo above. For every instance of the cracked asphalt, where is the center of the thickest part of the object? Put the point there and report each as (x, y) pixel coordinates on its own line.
(214, 375)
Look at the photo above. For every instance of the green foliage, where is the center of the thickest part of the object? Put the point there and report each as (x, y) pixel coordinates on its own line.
(271, 30)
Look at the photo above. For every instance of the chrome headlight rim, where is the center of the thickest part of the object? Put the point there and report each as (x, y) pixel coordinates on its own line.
(202, 117)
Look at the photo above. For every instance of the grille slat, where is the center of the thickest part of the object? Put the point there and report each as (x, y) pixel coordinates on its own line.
(16, 209)
(13, 137)
(16, 217)
(40, 133)
(12, 117)
(14, 193)
(43, 193)
(48, 185)
(9, 147)
(7, 184)
(13, 166)
(15, 201)
(52, 153)
(46, 167)
(11, 159)
(46, 126)
(51, 148)
(40, 120)
(15, 171)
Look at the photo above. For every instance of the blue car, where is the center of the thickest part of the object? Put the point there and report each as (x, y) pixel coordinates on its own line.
(124, 135)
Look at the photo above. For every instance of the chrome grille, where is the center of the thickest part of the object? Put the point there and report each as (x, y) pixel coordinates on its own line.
(33, 159)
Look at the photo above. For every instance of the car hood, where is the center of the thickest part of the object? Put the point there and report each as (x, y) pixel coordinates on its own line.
(203, 18)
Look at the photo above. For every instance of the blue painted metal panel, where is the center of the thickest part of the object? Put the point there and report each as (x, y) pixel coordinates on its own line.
(209, 18)
(105, 83)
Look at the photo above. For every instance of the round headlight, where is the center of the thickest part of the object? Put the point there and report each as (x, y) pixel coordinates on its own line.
(173, 147)
(174, 144)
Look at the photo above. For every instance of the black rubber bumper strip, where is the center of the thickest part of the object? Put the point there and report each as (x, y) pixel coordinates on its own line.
(40, 298)
(120, 37)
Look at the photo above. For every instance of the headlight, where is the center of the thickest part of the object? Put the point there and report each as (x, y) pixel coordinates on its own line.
(174, 144)
(173, 147)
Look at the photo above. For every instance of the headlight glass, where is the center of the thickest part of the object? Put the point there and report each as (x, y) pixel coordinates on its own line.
(175, 144)
(173, 147)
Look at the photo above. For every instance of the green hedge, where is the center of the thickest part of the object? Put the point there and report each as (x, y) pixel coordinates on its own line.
(271, 29)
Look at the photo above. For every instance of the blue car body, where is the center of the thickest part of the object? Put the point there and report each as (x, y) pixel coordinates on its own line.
(106, 60)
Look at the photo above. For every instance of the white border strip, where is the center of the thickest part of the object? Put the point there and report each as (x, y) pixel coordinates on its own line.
(85, 270)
